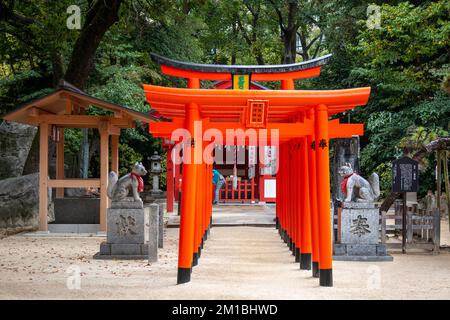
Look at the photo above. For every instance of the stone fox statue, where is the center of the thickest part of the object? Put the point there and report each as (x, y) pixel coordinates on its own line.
(356, 188)
(118, 189)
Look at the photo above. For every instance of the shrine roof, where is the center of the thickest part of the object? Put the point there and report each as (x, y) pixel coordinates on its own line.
(55, 103)
(241, 69)
(230, 105)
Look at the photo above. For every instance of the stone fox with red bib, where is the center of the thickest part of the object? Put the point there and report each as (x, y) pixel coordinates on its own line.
(118, 189)
(356, 188)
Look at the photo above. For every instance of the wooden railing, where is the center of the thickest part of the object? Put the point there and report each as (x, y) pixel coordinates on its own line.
(245, 191)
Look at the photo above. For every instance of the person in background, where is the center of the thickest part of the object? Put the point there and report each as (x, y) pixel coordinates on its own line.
(218, 180)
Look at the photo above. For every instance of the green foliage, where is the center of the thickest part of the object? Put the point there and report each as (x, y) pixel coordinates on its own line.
(128, 157)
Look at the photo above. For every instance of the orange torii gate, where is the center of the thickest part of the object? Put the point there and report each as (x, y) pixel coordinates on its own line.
(297, 119)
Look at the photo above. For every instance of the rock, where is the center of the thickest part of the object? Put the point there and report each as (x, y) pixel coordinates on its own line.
(15, 143)
(19, 203)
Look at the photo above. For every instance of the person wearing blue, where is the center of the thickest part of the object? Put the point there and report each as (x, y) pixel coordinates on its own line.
(218, 180)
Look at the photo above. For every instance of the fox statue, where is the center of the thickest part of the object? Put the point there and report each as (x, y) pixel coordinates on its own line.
(118, 189)
(356, 188)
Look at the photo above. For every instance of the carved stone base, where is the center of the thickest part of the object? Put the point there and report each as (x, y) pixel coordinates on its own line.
(359, 234)
(131, 234)
(128, 203)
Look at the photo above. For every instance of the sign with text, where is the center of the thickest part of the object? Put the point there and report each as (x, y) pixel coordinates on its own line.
(405, 175)
(241, 81)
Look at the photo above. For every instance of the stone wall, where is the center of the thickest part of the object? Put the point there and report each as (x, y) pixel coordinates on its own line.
(19, 204)
(15, 143)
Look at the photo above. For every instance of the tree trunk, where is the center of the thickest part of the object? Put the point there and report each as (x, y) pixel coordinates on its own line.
(99, 19)
(290, 34)
(289, 39)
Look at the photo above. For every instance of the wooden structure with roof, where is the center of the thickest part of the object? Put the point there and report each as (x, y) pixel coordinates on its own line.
(67, 107)
(300, 118)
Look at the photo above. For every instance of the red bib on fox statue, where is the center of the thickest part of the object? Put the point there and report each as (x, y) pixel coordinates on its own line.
(344, 183)
(139, 180)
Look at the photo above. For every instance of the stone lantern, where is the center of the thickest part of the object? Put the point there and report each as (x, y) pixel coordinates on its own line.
(155, 170)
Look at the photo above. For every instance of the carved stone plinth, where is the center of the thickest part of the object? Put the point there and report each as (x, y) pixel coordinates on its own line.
(132, 232)
(128, 203)
(359, 233)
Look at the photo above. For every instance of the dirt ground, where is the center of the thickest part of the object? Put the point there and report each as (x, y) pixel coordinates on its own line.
(236, 263)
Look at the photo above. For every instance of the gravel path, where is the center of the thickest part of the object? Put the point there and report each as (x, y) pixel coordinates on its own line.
(237, 263)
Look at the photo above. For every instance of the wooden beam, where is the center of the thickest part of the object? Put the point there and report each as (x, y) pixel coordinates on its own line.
(79, 121)
(33, 112)
(74, 183)
(344, 130)
(60, 162)
(43, 176)
(114, 131)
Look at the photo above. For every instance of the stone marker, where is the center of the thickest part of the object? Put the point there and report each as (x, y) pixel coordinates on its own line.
(162, 208)
(153, 232)
(359, 234)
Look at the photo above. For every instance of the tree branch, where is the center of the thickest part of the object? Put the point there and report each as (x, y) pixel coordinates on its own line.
(280, 16)
(100, 18)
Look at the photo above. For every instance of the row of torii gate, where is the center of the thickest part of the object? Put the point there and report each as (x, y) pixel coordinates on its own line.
(300, 119)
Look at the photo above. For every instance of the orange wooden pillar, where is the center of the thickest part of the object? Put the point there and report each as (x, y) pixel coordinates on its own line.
(169, 180)
(198, 213)
(177, 168)
(43, 176)
(209, 200)
(288, 84)
(291, 198)
(188, 202)
(295, 190)
(284, 188)
(323, 196)
(305, 231)
(313, 199)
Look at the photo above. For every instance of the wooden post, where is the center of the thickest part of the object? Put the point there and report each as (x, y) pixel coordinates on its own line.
(115, 153)
(104, 163)
(295, 195)
(323, 196)
(313, 200)
(188, 204)
(446, 183)
(438, 180)
(43, 176)
(436, 231)
(169, 180)
(60, 162)
(306, 247)
(404, 224)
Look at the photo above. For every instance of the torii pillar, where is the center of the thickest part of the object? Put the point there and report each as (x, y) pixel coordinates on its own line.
(323, 196)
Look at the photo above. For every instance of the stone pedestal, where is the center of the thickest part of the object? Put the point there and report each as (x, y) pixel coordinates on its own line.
(131, 232)
(359, 234)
